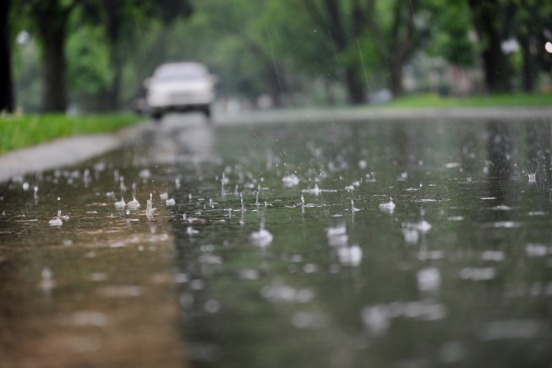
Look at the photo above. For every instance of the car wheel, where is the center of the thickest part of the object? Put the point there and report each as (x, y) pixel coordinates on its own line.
(157, 116)
(207, 113)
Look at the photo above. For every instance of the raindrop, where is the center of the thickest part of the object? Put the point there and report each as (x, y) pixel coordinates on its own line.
(133, 204)
(248, 274)
(55, 221)
(316, 190)
(429, 279)
(410, 235)
(120, 204)
(257, 197)
(303, 320)
(536, 250)
(144, 174)
(493, 255)
(511, 329)
(290, 180)
(149, 207)
(191, 231)
(477, 274)
(212, 306)
(47, 281)
(241, 201)
(58, 220)
(350, 256)
(261, 238)
(337, 235)
(387, 206)
(376, 319)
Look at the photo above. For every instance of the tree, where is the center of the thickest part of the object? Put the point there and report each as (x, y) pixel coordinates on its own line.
(119, 20)
(527, 21)
(487, 16)
(345, 24)
(50, 19)
(7, 100)
(451, 40)
(400, 29)
(234, 38)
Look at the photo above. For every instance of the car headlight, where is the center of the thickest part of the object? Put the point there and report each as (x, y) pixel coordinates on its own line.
(156, 97)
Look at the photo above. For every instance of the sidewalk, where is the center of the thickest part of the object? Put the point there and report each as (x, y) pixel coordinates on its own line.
(64, 151)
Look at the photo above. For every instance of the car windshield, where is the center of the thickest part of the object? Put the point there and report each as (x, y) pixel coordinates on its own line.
(179, 74)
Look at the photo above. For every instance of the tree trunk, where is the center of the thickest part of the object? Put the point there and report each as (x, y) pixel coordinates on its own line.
(275, 83)
(114, 14)
(51, 20)
(355, 86)
(495, 64)
(54, 95)
(7, 100)
(115, 87)
(528, 67)
(395, 80)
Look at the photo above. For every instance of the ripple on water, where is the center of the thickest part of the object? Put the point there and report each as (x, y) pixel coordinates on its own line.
(512, 329)
(378, 318)
(261, 238)
(505, 224)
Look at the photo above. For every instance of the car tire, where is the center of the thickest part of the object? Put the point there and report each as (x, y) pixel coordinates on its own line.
(207, 113)
(157, 116)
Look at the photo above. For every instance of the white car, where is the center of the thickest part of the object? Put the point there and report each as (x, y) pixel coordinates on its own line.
(180, 87)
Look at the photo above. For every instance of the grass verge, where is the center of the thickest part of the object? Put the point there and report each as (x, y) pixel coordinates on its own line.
(23, 131)
(434, 101)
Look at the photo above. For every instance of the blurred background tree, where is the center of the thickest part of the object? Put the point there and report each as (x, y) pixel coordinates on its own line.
(93, 55)
(112, 26)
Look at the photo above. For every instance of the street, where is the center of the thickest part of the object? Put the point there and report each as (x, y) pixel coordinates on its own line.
(327, 242)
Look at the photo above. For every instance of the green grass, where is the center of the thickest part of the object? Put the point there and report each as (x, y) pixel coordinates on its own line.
(434, 101)
(23, 131)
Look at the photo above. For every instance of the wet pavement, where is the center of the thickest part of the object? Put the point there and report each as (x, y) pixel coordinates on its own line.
(411, 243)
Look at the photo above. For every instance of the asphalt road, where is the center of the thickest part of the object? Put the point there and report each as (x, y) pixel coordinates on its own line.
(71, 150)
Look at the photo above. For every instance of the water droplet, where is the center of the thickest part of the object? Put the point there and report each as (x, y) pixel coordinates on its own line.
(429, 279)
(387, 206)
(261, 238)
(120, 204)
(290, 180)
(350, 256)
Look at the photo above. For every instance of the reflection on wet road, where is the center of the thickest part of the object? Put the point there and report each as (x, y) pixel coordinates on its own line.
(407, 244)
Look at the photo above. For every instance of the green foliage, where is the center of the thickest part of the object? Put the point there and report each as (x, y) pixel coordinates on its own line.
(22, 131)
(452, 40)
(89, 70)
(282, 48)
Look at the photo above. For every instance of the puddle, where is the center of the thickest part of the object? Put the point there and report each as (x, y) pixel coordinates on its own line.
(348, 245)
